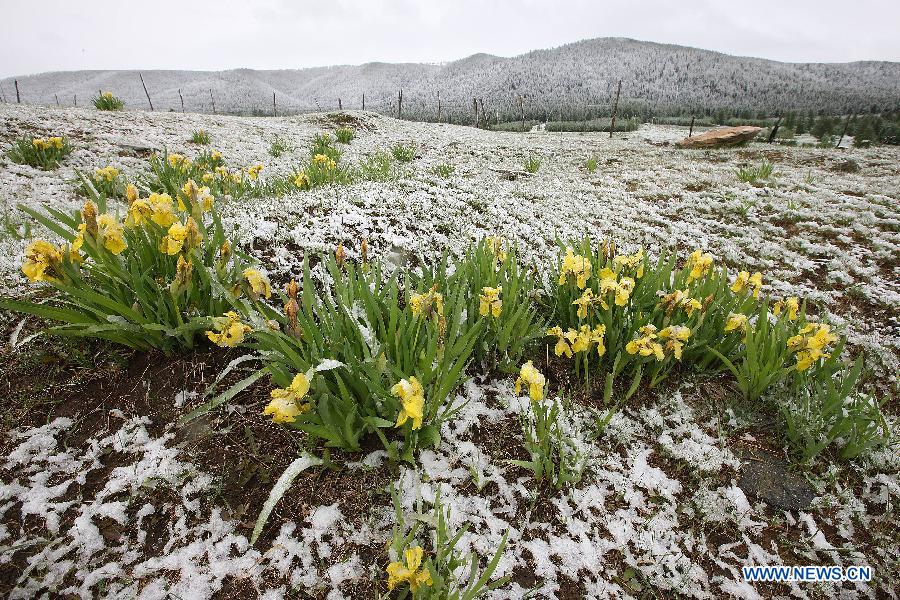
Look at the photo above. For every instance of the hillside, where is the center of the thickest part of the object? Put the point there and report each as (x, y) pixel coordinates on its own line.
(577, 80)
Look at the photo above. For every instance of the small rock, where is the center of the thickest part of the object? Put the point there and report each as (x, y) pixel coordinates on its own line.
(847, 166)
(724, 136)
(768, 478)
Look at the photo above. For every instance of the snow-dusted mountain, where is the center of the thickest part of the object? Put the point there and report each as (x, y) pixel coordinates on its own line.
(575, 80)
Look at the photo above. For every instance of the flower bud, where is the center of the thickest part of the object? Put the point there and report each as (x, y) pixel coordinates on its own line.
(89, 217)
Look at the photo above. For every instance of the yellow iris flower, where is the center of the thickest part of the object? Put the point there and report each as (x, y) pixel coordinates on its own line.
(737, 321)
(411, 572)
(646, 344)
(228, 330)
(578, 267)
(41, 261)
(285, 405)
(490, 302)
(699, 263)
(172, 243)
(412, 401)
(259, 283)
(791, 304)
(745, 280)
(530, 376)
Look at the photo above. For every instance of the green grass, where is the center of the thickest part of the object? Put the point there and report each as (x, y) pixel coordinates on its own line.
(403, 153)
(200, 137)
(344, 135)
(532, 164)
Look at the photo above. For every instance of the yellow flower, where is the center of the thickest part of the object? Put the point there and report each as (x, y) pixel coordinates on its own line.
(423, 303)
(41, 261)
(110, 234)
(177, 161)
(646, 345)
(811, 343)
(131, 193)
(161, 209)
(495, 244)
(208, 177)
(792, 304)
(409, 573)
(577, 266)
(412, 400)
(745, 280)
(534, 379)
(56, 142)
(562, 347)
(215, 155)
(106, 174)
(699, 264)
(40, 144)
(285, 404)
(584, 302)
(139, 212)
(253, 172)
(172, 243)
(301, 180)
(323, 160)
(634, 262)
(259, 283)
(183, 273)
(229, 331)
(736, 321)
(490, 301)
(623, 291)
(676, 336)
(199, 196)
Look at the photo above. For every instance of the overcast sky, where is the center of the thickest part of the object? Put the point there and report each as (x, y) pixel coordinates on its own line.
(57, 35)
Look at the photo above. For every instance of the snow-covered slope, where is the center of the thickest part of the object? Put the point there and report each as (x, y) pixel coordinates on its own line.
(571, 78)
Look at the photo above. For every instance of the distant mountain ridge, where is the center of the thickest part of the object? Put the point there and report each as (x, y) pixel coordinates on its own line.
(576, 80)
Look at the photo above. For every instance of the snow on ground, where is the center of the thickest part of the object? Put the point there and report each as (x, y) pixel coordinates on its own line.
(660, 499)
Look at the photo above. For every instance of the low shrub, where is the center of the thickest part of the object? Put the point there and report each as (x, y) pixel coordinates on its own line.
(41, 153)
(106, 101)
(373, 358)
(158, 278)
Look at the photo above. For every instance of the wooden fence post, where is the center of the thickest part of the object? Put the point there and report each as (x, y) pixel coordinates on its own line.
(18, 100)
(57, 99)
(76, 99)
(146, 92)
(364, 102)
(844, 132)
(182, 100)
(339, 105)
(484, 121)
(612, 125)
(400, 104)
(774, 129)
(475, 108)
(274, 107)
(691, 130)
(213, 100)
(439, 106)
